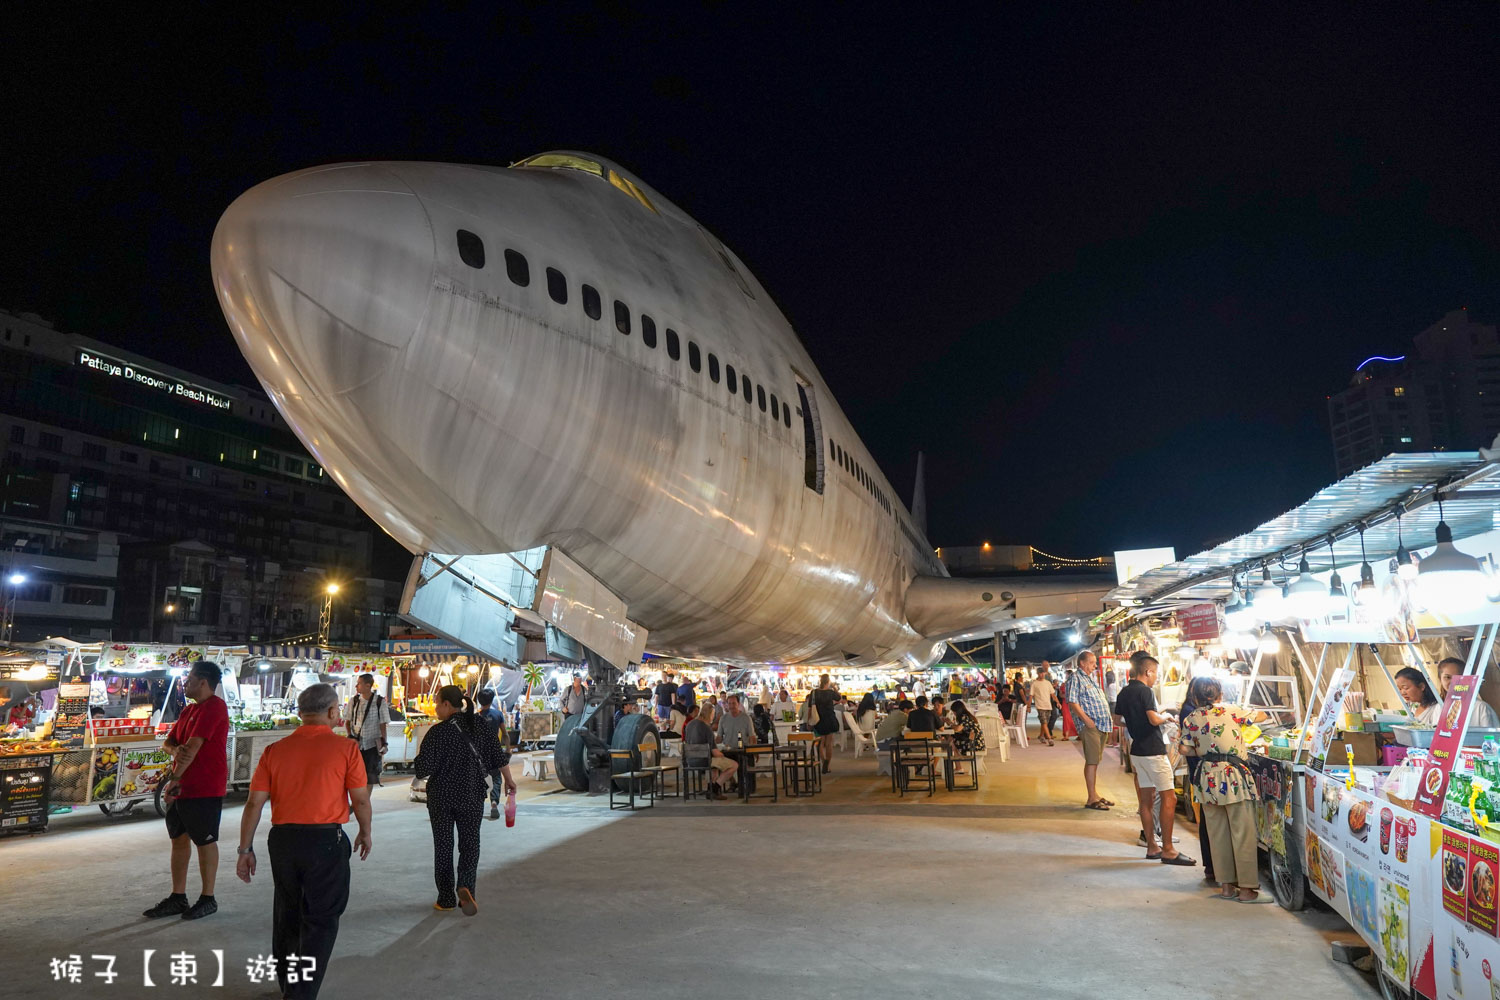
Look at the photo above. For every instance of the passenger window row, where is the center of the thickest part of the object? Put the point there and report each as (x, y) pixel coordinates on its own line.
(847, 461)
(471, 251)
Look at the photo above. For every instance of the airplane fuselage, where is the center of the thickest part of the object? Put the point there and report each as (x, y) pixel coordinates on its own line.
(608, 380)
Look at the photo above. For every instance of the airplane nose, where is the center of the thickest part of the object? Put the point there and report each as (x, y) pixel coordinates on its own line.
(324, 275)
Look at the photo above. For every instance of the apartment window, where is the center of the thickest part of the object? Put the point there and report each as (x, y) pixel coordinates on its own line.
(760, 397)
(194, 472)
(732, 382)
(745, 386)
(557, 286)
(52, 442)
(695, 359)
(293, 467)
(648, 331)
(1399, 390)
(91, 451)
(249, 484)
(94, 597)
(18, 435)
(517, 268)
(622, 317)
(674, 347)
(713, 368)
(470, 249)
(591, 304)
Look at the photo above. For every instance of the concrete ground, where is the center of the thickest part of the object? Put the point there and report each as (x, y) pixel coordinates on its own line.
(1013, 890)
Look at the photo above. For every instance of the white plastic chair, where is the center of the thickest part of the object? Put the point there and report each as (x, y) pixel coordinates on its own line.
(1017, 733)
(862, 738)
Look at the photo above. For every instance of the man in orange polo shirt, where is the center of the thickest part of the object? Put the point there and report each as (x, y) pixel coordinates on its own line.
(311, 778)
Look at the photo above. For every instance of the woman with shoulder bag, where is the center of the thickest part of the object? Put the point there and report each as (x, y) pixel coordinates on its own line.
(457, 756)
(825, 720)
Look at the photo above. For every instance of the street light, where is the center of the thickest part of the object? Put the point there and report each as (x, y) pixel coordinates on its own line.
(8, 619)
(16, 579)
(325, 619)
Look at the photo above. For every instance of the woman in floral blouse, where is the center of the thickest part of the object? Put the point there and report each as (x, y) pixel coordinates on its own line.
(1226, 789)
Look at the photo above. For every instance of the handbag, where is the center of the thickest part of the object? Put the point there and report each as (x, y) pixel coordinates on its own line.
(811, 717)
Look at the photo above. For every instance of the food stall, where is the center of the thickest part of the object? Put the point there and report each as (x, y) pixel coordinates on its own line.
(1392, 822)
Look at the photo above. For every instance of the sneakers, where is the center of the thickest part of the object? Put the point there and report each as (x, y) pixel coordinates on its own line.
(205, 906)
(494, 811)
(466, 902)
(440, 905)
(174, 905)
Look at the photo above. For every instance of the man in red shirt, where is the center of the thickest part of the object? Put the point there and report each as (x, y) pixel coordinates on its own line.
(195, 790)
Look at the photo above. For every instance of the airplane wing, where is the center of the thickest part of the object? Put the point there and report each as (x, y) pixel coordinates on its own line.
(953, 608)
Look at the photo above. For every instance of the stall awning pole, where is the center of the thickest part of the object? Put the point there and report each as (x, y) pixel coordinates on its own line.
(1254, 674)
(1311, 701)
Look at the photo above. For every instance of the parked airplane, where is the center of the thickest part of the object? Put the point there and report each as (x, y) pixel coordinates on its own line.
(554, 355)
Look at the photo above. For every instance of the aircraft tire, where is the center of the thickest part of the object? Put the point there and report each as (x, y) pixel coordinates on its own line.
(632, 731)
(568, 756)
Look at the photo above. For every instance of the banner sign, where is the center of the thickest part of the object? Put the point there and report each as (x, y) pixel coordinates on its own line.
(129, 371)
(1199, 622)
(25, 787)
(1446, 742)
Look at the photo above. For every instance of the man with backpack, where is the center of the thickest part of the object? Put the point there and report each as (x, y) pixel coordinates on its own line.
(369, 717)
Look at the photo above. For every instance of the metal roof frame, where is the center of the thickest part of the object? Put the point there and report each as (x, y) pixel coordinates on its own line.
(1390, 501)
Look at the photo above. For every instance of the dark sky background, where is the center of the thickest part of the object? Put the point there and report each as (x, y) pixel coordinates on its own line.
(1102, 267)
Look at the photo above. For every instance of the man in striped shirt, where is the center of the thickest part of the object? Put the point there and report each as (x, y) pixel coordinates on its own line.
(1091, 714)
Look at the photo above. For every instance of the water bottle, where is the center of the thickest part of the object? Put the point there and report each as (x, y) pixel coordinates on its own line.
(510, 808)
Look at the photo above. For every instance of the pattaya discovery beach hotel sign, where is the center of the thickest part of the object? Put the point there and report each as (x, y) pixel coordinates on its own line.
(113, 368)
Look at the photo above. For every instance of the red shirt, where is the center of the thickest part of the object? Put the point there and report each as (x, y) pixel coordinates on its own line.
(207, 776)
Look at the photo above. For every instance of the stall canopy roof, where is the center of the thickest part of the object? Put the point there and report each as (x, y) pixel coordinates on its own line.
(1409, 484)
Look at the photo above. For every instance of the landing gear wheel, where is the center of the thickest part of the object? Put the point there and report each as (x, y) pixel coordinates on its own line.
(632, 731)
(1288, 884)
(116, 809)
(568, 756)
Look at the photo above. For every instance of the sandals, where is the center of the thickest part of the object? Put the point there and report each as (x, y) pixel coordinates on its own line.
(1181, 859)
(1099, 804)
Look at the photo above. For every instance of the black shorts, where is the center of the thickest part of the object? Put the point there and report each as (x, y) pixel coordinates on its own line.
(198, 818)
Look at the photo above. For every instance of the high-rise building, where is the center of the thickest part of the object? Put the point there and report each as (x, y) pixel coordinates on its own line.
(1444, 396)
(197, 488)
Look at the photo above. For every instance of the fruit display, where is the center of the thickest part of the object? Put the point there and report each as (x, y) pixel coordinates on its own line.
(19, 748)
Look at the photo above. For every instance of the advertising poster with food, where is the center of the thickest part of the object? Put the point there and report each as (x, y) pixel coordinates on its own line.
(1483, 861)
(106, 775)
(1455, 868)
(1351, 859)
(1446, 742)
(1328, 717)
(1313, 863)
(72, 718)
(1334, 892)
(141, 771)
(1394, 908)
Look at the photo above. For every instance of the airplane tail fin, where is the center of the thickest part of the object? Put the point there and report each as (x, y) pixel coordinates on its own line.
(919, 495)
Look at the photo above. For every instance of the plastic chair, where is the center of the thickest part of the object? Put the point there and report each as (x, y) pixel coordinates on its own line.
(862, 738)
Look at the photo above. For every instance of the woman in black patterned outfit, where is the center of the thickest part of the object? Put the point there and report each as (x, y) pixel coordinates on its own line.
(456, 757)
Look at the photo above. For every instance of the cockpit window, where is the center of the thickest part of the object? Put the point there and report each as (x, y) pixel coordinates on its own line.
(562, 161)
(625, 184)
(567, 161)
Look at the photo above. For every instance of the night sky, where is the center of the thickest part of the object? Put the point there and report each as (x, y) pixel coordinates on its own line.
(1103, 268)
